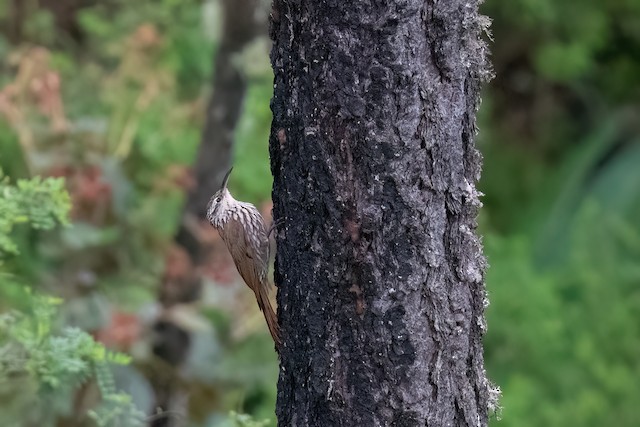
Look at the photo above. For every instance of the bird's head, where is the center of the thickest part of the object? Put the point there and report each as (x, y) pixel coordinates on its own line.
(220, 202)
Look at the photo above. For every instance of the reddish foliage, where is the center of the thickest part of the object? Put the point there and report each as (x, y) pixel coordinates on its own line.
(123, 330)
(178, 264)
(181, 176)
(90, 194)
(217, 264)
(220, 268)
(265, 211)
(146, 36)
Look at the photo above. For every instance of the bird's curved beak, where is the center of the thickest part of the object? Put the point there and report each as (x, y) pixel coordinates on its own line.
(226, 179)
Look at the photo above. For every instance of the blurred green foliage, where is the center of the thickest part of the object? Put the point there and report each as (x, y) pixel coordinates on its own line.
(43, 365)
(119, 112)
(42, 204)
(559, 133)
(243, 420)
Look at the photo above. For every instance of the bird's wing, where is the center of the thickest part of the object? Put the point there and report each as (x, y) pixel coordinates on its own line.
(247, 248)
(257, 239)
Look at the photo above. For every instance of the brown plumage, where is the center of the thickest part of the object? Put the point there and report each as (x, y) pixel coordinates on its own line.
(243, 231)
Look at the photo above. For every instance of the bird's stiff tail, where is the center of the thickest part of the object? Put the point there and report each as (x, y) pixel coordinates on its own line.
(262, 296)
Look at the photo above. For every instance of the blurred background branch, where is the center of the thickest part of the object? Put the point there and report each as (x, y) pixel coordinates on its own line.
(197, 247)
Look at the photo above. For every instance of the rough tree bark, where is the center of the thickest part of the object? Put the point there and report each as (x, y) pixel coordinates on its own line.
(380, 272)
(182, 281)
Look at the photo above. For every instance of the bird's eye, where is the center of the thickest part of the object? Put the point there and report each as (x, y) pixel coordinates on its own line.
(217, 199)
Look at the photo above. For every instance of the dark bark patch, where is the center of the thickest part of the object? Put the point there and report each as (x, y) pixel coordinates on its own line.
(405, 419)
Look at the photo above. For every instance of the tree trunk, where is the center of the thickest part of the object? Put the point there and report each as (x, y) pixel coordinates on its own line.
(380, 272)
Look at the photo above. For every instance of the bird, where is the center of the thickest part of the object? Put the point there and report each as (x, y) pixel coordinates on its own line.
(244, 233)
